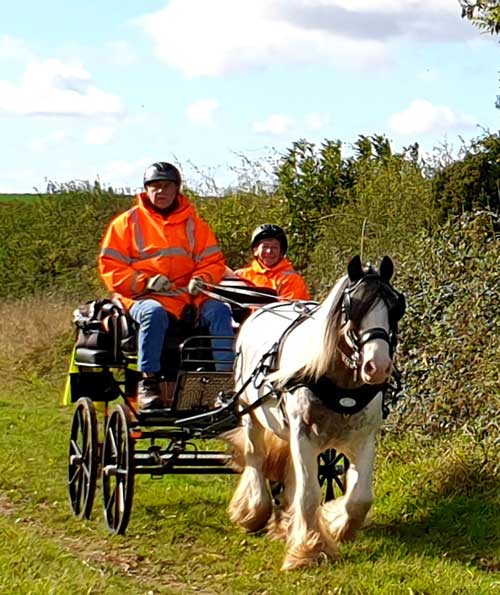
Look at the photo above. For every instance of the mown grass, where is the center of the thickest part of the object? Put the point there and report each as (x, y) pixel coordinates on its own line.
(434, 528)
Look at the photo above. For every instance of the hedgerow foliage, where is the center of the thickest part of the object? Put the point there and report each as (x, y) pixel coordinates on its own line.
(49, 243)
(451, 332)
(371, 203)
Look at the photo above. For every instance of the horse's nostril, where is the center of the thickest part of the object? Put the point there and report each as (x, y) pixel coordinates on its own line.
(370, 368)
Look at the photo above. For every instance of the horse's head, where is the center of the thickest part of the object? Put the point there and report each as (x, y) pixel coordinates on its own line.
(372, 309)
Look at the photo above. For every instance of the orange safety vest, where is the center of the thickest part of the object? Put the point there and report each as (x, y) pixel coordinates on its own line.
(289, 285)
(141, 243)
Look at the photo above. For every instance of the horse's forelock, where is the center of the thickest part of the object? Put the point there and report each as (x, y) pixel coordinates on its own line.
(363, 298)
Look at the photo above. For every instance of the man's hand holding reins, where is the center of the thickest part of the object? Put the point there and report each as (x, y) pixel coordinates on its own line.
(158, 284)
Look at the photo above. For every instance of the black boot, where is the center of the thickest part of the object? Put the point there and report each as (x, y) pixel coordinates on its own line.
(149, 394)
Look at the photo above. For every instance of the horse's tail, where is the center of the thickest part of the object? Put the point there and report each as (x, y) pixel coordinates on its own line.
(277, 453)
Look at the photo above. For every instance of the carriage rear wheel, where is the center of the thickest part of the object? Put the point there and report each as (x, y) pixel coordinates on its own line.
(118, 471)
(332, 467)
(83, 459)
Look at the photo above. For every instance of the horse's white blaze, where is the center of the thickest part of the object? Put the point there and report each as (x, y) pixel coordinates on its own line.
(376, 361)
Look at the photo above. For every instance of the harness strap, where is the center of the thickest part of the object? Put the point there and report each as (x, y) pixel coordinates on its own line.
(346, 401)
(208, 287)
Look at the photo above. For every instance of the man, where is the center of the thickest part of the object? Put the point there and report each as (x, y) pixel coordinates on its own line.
(270, 267)
(156, 256)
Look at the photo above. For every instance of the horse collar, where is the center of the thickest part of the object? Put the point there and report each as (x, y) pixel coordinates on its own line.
(346, 401)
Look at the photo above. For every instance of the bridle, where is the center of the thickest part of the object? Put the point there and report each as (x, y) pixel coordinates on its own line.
(396, 304)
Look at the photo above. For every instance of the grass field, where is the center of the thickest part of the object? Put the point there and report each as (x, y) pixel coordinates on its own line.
(434, 528)
(12, 197)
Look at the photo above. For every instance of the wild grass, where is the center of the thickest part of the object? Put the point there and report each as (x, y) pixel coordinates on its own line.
(434, 528)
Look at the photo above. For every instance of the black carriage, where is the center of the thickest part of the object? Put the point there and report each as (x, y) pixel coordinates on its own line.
(200, 403)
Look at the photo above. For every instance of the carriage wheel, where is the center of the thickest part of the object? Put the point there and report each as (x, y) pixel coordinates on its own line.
(83, 459)
(117, 471)
(332, 467)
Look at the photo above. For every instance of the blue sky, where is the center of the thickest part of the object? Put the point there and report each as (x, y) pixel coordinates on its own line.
(102, 88)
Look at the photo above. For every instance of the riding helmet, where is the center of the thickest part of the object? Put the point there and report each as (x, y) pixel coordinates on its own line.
(162, 171)
(267, 231)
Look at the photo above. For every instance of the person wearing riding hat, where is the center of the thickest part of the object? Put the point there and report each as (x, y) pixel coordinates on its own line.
(156, 257)
(270, 267)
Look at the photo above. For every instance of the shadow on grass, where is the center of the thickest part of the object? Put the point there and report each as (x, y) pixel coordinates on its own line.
(457, 518)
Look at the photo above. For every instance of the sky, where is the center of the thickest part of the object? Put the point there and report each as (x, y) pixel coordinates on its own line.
(222, 88)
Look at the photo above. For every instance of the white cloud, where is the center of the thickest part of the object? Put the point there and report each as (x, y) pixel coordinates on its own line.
(53, 87)
(202, 112)
(99, 135)
(421, 117)
(228, 36)
(276, 124)
(232, 35)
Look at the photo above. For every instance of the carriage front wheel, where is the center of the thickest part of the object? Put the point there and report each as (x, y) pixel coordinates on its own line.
(83, 459)
(332, 467)
(118, 471)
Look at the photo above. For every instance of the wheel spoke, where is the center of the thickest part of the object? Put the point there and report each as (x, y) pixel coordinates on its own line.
(110, 503)
(75, 475)
(76, 447)
(330, 494)
(82, 461)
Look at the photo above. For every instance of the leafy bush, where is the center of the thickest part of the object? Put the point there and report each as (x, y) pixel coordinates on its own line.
(471, 182)
(50, 243)
(451, 333)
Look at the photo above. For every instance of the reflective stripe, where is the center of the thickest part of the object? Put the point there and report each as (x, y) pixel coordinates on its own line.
(190, 234)
(139, 239)
(207, 252)
(291, 272)
(112, 253)
(177, 251)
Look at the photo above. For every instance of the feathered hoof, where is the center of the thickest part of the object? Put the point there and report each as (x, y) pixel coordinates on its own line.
(299, 558)
(277, 527)
(250, 520)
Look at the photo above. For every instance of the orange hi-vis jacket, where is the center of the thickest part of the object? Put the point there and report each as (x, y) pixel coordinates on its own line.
(289, 285)
(141, 243)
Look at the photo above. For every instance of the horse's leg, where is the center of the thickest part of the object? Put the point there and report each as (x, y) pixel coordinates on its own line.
(251, 504)
(277, 528)
(305, 543)
(342, 517)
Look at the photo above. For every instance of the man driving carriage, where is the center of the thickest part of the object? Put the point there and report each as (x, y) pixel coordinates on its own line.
(270, 267)
(156, 257)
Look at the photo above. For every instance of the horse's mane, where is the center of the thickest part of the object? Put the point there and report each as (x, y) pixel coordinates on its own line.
(317, 340)
(313, 345)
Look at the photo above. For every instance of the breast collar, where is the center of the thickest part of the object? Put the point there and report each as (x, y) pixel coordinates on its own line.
(346, 401)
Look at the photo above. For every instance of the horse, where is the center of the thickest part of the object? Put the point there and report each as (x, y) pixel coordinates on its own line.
(309, 377)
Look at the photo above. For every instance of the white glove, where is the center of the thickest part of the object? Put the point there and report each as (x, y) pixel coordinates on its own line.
(196, 285)
(158, 284)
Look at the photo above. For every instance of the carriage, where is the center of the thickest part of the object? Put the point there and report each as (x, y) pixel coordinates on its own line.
(201, 404)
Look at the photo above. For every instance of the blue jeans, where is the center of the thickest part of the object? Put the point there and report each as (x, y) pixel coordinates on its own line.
(153, 323)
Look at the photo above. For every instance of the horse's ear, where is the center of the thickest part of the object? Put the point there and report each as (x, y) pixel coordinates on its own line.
(354, 269)
(386, 268)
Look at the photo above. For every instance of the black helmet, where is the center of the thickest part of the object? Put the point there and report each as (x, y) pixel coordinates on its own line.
(269, 230)
(162, 171)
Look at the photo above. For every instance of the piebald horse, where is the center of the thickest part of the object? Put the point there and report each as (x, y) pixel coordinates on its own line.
(312, 377)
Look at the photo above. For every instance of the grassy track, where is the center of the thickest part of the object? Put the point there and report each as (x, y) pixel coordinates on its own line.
(435, 526)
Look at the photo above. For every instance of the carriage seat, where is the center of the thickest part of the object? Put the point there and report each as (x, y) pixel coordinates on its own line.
(106, 335)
